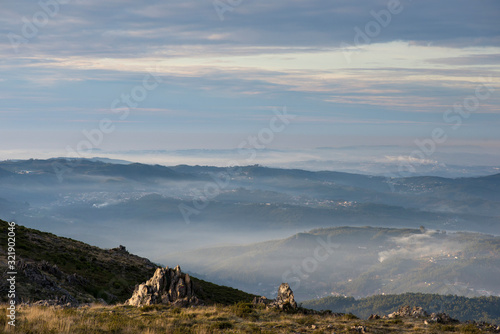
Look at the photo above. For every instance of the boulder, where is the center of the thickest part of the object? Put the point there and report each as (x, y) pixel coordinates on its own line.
(167, 286)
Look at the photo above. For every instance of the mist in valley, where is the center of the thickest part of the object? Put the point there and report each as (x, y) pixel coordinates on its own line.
(254, 227)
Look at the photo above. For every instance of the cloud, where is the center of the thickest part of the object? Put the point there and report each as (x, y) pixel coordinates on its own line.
(476, 59)
(217, 74)
(115, 28)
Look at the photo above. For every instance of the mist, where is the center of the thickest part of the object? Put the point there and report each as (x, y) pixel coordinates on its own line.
(247, 227)
(421, 245)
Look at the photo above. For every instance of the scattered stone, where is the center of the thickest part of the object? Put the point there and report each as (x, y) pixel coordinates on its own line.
(63, 301)
(442, 318)
(359, 329)
(167, 286)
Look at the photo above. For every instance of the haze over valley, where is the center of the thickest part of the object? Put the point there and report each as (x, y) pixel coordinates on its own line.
(228, 224)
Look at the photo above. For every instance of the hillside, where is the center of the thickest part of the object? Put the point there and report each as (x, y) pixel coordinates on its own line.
(357, 261)
(52, 267)
(238, 319)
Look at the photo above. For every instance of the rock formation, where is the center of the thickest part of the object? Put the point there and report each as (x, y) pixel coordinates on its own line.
(418, 312)
(167, 286)
(406, 311)
(442, 318)
(285, 297)
(284, 301)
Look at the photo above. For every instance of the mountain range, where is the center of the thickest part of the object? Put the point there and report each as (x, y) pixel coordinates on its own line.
(395, 235)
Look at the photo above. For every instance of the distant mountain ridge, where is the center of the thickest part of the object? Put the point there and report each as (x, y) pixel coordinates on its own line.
(157, 210)
(72, 167)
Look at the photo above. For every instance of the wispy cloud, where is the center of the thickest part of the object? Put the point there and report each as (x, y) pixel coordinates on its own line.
(218, 74)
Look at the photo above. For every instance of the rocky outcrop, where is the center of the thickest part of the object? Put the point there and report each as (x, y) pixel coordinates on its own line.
(442, 318)
(407, 311)
(285, 298)
(418, 312)
(284, 301)
(167, 286)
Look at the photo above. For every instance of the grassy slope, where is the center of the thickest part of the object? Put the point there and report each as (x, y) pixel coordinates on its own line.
(241, 318)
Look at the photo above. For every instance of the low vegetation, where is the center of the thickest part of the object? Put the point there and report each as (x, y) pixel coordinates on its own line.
(239, 318)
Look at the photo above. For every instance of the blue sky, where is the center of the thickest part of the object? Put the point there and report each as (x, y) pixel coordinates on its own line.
(207, 75)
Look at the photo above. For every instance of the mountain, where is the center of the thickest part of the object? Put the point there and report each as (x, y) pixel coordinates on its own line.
(4, 173)
(213, 205)
(72, 168)
(357, 261)
(50, 267)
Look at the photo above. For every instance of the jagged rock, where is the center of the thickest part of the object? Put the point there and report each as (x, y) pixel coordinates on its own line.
(373, 317)
(167, 286)
(284, 301)
(285, 297)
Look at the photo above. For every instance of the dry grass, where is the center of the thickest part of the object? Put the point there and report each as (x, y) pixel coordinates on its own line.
(242, 318)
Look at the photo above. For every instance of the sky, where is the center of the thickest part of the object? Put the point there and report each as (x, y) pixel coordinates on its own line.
(158, 81)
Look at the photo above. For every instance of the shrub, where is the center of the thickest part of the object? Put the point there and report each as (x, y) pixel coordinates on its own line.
(222, 325)
(242, 310)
